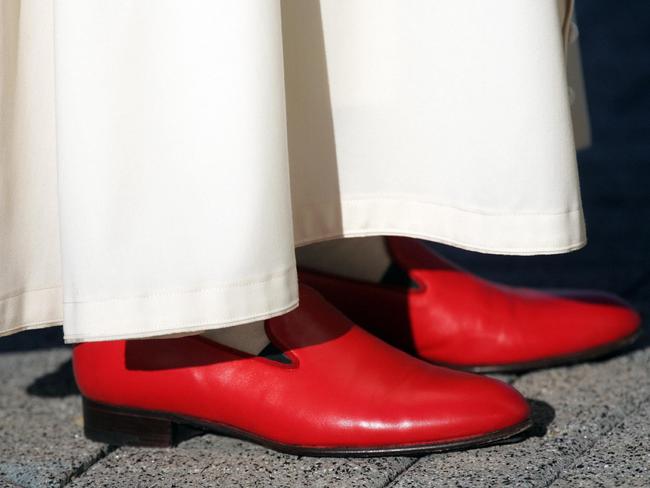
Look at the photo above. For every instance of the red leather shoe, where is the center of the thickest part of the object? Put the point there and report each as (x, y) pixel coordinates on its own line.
(450, 317)
(342, 392)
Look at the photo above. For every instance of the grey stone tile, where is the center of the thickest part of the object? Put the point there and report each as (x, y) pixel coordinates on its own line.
(619, 458)
(586, 402)
(219, 461)
(41, 438)
(8, 484)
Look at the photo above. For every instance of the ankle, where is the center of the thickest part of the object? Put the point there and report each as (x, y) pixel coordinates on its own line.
(250, 338)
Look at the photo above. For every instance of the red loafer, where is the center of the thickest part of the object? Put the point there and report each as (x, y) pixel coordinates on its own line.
(334, 390)
(448, 316)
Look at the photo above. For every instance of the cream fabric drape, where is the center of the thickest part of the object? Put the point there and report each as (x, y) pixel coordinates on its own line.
(162, 158)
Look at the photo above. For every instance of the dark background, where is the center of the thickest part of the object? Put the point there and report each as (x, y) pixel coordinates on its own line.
(615, 174)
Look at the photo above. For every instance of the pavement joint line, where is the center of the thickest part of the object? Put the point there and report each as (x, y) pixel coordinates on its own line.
(567, 466)
(84, 467)
(575, 459)
(403, 472)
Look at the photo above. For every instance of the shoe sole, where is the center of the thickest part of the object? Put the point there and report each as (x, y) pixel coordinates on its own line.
(122, 426)
(566, 360)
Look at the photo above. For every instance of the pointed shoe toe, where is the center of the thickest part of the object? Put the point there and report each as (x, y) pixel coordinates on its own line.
(481, 404)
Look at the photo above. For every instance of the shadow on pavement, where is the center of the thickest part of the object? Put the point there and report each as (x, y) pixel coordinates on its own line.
(543, 414)
(57, 384)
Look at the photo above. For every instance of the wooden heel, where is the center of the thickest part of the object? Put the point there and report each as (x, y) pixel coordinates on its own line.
(122, 427)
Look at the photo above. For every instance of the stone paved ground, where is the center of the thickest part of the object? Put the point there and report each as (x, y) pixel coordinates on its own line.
(592, 420)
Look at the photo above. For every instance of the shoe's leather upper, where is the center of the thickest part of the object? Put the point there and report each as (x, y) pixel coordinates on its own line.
(344, 387)
(456, 318)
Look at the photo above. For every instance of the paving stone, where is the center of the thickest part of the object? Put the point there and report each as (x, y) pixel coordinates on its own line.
(41, 438)
(619, 458)
(585, 402)
(8, 484)
(219, 461)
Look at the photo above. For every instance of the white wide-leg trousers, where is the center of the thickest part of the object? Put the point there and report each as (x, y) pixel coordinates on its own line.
(161, 159)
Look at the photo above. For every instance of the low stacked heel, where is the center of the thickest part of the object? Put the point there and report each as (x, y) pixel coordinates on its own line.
(124, 427)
